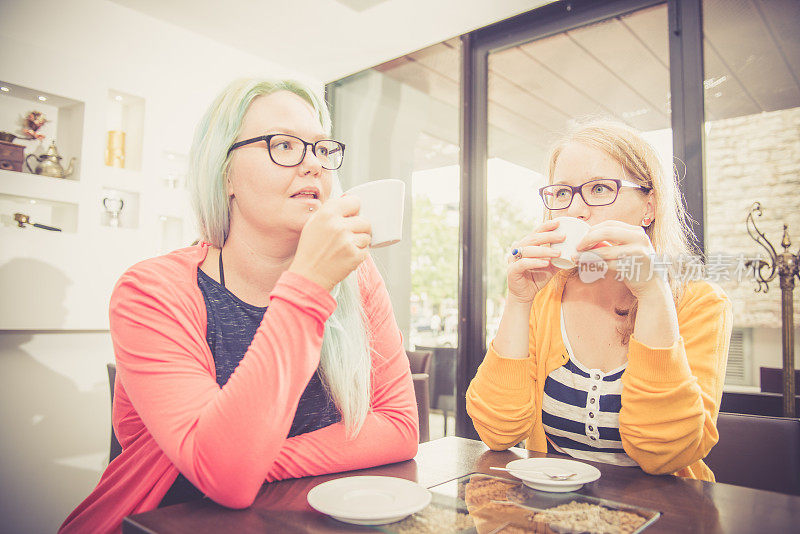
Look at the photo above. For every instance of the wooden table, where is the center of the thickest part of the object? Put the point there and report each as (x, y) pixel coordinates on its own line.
(685, 505)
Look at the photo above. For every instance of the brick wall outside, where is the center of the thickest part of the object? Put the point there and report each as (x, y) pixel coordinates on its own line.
(748, 159)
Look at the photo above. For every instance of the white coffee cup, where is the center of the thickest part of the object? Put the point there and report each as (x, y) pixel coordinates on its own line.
(382, 204)
(574, 229)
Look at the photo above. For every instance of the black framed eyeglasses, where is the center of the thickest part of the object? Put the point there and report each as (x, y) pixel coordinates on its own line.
(598, 192)
(289, 151)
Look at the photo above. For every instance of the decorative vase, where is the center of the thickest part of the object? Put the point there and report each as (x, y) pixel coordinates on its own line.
(113, 205)
(115, 149)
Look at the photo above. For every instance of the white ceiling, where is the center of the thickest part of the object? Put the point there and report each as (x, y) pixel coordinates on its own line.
(329, 39)
(615, 68)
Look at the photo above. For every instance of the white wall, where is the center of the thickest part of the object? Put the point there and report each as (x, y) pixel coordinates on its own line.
(53, 388)
(55, 416)
(768, 347)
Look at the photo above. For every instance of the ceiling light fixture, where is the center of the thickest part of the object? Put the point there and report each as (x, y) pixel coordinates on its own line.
(713, 82)
(634, 113)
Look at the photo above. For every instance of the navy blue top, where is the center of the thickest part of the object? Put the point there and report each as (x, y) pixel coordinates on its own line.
(232, 325)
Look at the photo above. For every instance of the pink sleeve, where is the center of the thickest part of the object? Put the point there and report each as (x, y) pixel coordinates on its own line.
(391, 429)
(224, 440)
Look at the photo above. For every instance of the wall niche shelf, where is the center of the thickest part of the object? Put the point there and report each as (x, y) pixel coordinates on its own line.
(174, 165)
(124, 130)
(119, 209)
(64, 123)
(39, 187)
(171, 231)
(61, 215)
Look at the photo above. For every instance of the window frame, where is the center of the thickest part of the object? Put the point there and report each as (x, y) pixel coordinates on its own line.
(685, 29)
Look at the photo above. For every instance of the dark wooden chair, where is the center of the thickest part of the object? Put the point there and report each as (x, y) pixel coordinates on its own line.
(420, 361)
(443, 380)
(771, 379)
(757, 452)
(768, 404)
(115, 448)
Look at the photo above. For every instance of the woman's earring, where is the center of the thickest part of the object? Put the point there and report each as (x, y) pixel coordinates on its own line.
(646, 221)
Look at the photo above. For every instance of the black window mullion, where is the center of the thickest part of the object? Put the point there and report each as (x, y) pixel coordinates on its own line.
(472, 287)
(688, 115)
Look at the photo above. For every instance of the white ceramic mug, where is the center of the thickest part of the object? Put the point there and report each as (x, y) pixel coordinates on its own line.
(382, 204)
(574, 229)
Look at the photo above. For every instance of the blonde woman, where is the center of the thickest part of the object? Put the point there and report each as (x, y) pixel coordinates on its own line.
(270, 350)
(627, 369)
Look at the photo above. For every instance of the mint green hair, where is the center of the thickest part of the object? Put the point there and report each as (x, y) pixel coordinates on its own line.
(217, 131)
(345, 362)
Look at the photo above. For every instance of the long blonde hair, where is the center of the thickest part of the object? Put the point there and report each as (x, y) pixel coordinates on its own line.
(345, 362)
(669, 232)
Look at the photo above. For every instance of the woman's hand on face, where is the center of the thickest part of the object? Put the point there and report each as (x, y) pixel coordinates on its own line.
(628, 253)
(333, 243)
(531, 269)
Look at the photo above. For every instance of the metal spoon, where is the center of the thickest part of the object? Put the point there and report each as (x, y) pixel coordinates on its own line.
(532, 509)
(562, 476)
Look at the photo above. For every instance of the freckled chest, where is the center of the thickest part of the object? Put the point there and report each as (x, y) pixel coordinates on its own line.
(594, 335)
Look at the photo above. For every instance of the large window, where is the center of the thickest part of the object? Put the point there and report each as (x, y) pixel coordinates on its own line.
(526, 81)
(751, 54)
(401, 120)
(616, 69)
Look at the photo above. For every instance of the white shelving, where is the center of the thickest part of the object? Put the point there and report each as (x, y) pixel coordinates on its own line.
(110, 217)
(120, 209)
(49, 201)
(64, 122)
(39, 187)
(173, 169)
(124, 130)
(171, 233)
(60, 215)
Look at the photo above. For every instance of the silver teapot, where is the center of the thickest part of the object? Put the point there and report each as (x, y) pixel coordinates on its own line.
(48, 164)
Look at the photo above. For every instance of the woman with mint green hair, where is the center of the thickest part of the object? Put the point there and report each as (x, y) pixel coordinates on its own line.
(269, 350)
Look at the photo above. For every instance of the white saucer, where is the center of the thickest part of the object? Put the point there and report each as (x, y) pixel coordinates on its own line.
(369, 500)
(585, 473)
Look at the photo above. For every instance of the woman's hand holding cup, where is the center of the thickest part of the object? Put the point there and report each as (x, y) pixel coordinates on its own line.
(530, 267)
(627, 251)
(333, 243)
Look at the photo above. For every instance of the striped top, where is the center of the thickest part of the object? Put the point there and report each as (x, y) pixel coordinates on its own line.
(580, 410)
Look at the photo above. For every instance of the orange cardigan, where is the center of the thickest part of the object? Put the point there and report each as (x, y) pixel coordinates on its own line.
(670, 396)
(170, 414)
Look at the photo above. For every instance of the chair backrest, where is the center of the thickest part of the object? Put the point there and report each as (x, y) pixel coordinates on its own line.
(420, 362)
(769, 404)
(115, 448)
(758, 452)
(771, 379)
(443, 377)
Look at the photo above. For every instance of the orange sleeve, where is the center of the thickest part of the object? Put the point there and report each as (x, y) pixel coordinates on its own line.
(671, 396)
(501, 400)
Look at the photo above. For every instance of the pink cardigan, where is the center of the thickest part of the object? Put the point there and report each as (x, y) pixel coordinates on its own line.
(170, 414)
